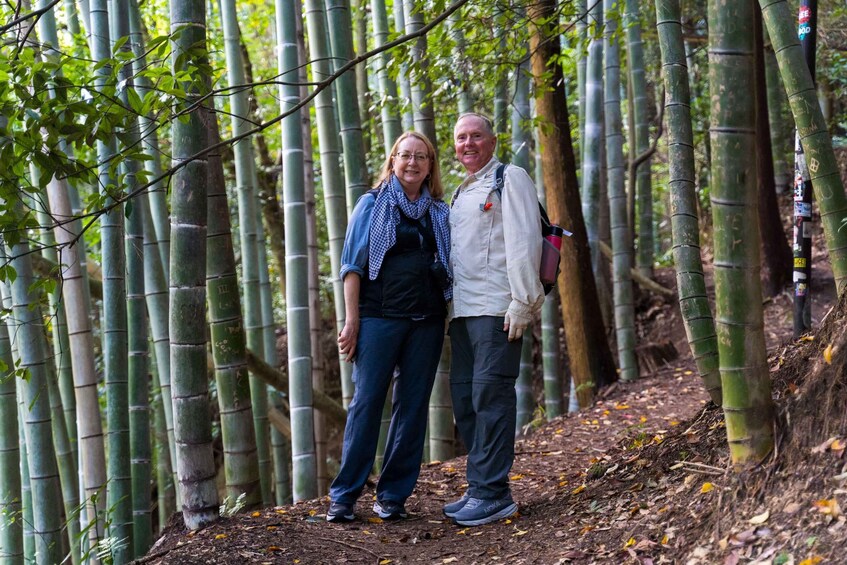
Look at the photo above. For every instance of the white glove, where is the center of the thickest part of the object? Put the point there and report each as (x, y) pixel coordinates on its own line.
(515, 325)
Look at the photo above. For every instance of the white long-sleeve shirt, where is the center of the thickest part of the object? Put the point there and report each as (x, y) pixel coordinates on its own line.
(496, 249)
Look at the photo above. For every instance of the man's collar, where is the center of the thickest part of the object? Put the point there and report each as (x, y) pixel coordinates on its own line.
(491, 164)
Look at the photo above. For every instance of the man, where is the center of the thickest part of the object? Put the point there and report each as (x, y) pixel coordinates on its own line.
(495, 257)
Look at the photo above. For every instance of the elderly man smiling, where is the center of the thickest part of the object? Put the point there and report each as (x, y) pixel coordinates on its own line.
(495, 258)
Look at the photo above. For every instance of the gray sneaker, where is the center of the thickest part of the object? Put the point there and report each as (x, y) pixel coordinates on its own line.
(390, 510)
(450, 509)
(339, 512)
(477, 511)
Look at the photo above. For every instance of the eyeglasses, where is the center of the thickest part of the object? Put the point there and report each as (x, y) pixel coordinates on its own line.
(405, 156)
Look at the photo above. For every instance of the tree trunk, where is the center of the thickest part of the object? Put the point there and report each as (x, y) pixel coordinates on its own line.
(641, 137)
(591, 359)
(619, 222)
(386, 85)
(192, 415)
(332, 180)
(11, 531)
(347, 101)
(776, 253)
(242, 473)
(691, 286)
(421, 83)
(304, 471)
(817, 143)
(745, 380)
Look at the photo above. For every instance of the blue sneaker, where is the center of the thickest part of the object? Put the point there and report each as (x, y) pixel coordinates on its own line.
(450, 509)
(477, 511)
(390, 510)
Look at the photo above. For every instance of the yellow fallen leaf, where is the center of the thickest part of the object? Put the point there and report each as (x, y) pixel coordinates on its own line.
(508, 521)
(707, 487)
(516, 477)
(595, 422)
(657, 439)
(451, 560)
(462, 532)
(271, 528)
(828, 506)
(560, 430)
(585, 530)
(807, 338)
(312, 512)
(563, 483)
(813, 560)
(281, 511)
(375, 520)
(673, 423)
(606, 412)
(665, 539)
(520, 533)
(629, 543)
(274, 548)
(827, 354)
(297, 561)
(220, 536)
(385, 562)
(256, 514)
(578, 489)
(687, 373)
(760, 518)
(837, 445)
(621, 406)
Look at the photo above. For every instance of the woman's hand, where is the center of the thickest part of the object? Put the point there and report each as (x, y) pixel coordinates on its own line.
(347, 339)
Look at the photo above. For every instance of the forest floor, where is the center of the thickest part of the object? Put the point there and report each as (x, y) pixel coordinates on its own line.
(640, 477)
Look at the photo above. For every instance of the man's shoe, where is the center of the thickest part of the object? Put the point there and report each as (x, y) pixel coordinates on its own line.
(450, 509)
(478, 511)
(390, 510)
(340, 512)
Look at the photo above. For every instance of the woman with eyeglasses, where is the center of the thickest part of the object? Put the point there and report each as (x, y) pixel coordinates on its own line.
(396, 288)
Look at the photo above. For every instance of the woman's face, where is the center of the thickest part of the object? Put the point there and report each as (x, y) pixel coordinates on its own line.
(411, 164)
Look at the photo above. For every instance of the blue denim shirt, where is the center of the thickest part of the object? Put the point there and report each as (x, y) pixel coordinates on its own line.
(354, 255)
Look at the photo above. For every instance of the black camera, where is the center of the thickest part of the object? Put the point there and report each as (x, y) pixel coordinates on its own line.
(440, 274)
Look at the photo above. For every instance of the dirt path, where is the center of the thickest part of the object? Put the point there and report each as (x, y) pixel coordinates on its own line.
(660, 455)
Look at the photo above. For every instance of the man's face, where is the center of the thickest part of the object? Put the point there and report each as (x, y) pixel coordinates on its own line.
(474, 143)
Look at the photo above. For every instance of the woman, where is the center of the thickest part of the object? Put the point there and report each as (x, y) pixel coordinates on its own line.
(396, 288)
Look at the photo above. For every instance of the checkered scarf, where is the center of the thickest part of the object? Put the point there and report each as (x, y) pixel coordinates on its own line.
(386, 217)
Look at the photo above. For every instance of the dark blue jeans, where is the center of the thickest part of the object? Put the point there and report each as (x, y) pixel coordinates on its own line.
(484, 369)
(414, 347)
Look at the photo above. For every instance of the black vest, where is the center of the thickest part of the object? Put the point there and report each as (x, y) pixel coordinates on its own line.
(404, 287)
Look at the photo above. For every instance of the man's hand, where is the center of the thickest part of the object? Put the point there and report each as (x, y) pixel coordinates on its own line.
(515, 325)
(347, 339)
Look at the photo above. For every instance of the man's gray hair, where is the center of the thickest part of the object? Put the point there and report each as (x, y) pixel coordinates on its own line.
(489, 126)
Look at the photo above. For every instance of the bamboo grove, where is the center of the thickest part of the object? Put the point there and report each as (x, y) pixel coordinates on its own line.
(176, 177)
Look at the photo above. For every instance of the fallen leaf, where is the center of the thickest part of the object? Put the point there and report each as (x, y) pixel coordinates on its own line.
(838, 446)
(687, 373)
(707, 487)
(275, 548)
(578, 489)
(760, 518)
(280, 511)
(807, 338)
(520, 533)
(665, 539)
(462, 532)
(515, 477)
(621, 406)
(375, 520)
(828, 506)
(256, 514)
(792, 508)
(385, 562)
(312, 512)
(629, 543)
(643, 419)
(813, 560)
(451, 560)
(827, 354)
(220, 536)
